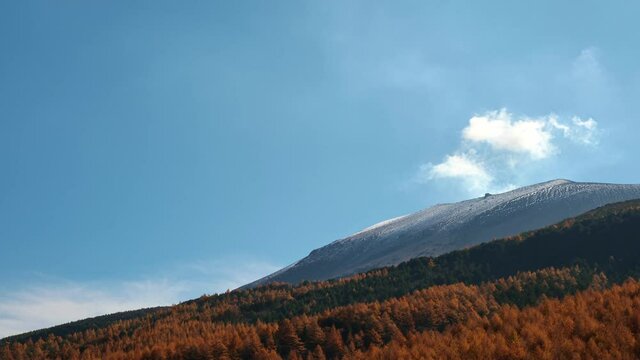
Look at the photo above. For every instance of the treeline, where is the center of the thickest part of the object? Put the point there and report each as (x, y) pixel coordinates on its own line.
(187, 332)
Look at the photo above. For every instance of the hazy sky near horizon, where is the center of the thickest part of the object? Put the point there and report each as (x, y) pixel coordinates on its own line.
(154, 151)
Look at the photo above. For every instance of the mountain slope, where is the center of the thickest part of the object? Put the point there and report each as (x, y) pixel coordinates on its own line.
(384, 307)
(446, 227)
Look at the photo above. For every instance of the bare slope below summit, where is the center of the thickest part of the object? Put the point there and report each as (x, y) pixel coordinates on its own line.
(446, 227)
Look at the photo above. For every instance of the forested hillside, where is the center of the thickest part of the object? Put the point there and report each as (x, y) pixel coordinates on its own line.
(542, 294)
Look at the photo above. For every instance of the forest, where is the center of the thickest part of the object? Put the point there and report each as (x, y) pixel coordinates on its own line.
(567, 289)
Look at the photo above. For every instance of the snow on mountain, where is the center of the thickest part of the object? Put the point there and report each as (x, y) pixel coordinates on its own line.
(446, 227)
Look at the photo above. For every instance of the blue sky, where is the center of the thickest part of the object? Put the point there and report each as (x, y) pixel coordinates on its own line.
(156, 151)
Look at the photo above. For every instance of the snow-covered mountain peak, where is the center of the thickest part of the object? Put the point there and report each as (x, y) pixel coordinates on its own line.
(446, 227)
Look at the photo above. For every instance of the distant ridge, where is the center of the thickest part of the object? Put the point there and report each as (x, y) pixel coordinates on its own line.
(446, 227)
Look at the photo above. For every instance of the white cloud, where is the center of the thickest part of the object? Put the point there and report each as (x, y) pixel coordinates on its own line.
(496, 146)
(496, 128)
(48, 302)
(529, 136)
(461, 167)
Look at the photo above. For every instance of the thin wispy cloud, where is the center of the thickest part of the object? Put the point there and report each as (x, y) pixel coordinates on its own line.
(580, 131)
(48, 302)
(588, 83)
(586, 66)
(496, 145)
(39, 306)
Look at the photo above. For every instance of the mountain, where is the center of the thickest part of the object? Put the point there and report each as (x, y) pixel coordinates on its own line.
(446, 227)
(544, 294)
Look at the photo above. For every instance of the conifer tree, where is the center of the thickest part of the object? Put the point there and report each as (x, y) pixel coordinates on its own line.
(287, 339)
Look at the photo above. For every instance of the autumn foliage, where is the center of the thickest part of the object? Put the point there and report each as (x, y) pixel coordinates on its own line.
(436, 315)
